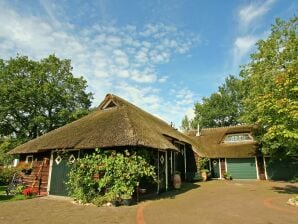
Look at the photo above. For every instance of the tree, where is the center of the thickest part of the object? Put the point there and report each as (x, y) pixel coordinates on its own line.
(185, 124)
(222, 108)
(39, 96)
(271, 99)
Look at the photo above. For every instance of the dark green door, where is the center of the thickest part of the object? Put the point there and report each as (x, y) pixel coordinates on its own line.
(60, 169)
(215, 168)
(162, 171)
(242, 168)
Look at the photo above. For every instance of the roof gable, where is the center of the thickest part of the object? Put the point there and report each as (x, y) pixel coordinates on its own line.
(109, 126)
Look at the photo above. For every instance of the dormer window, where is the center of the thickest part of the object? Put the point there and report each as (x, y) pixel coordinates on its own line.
(110, 104)
(239, 137)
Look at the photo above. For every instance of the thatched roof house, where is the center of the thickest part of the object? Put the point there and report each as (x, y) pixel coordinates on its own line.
(231, 150)
(211, 142)
(115, 123)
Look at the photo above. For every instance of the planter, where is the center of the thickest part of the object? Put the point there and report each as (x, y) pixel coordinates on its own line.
(142, 190)
(27, 171)
(204, 175)
(127, 201)
(115, 203)
(177, 181)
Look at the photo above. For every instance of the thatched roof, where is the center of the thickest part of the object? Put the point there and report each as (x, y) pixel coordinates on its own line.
(115, 123)
(211, 145)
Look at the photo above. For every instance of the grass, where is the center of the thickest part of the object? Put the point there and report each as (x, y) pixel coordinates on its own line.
(5, 198)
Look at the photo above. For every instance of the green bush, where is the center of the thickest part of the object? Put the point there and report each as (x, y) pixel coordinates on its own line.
(294, 179)
(202, 163)
(107, 175)
(6, 175)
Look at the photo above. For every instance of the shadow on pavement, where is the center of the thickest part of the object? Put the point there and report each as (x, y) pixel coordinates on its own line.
(172, 193)
(288, 189)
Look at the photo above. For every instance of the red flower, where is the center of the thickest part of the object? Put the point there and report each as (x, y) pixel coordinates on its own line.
(29, 191)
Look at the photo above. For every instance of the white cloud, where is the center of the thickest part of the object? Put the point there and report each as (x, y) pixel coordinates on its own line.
(123, 60)
(163, 79)
(249, 19)
(250, 13)
(244, 45)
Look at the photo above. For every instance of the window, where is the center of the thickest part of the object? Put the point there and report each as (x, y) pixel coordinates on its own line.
(110, 104)
(29, 159)
(240, 137)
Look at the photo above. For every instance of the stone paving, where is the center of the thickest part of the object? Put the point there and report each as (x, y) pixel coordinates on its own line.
(209, 202)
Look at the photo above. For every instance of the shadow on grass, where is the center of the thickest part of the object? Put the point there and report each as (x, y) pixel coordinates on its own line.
(5, 198)
(171, 193)
(288, 189)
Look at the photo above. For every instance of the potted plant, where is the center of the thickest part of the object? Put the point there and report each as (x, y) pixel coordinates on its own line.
(204, 174)
(127, 199)
(177, 180)
(227, 176)
(113, 197)
(202, 164)
(26, 169)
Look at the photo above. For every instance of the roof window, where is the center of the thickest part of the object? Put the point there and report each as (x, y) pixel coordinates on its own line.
(239, 137)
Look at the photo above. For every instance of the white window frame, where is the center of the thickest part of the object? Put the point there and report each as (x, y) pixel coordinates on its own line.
(239, 141)
(27, 158)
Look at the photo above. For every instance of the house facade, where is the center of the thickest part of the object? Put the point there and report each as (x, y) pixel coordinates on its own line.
(115, 125)
(119, 125)
(233, 150)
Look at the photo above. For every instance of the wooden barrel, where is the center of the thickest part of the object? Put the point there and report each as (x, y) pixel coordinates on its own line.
(177, 181)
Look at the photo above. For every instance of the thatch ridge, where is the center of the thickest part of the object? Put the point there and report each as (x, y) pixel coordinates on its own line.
(123, 125)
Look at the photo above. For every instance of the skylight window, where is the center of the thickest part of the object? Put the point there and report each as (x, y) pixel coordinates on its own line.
(239, 137)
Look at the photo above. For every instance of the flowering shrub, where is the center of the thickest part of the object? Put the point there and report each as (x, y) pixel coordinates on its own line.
(29, 192)
(107, 175)
(6, 174)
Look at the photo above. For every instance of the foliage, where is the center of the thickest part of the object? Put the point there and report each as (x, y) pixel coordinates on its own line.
(29, 192)
(204, 171)
(108, 175)
(100, 200)
(222, 108)
(272, 89)
(227, 176)
(7, 144)
(20, 189)
(6, 175)
(294, 179)
(202, 163)
(185, 124)
(5, 198)
(39, 96)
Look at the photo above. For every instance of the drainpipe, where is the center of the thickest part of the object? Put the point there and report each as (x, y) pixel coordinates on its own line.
(167, 170)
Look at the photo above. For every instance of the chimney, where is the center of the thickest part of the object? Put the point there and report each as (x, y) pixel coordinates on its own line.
(198, 130)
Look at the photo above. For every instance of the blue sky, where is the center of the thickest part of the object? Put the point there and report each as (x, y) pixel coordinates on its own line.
(162, 56)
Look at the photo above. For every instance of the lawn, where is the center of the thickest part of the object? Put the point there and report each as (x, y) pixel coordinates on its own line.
(4, 197)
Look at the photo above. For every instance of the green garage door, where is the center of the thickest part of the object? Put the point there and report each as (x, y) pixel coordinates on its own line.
(244, 168)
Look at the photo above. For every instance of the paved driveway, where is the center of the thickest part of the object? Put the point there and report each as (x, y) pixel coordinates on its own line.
(211, 202)
(227, 202)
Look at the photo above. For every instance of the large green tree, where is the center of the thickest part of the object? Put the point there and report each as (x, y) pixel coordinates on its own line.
(39, 96)
(222, 108)
(271, 79)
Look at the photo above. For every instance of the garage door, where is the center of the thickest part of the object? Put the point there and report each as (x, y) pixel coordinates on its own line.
(244, 168)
